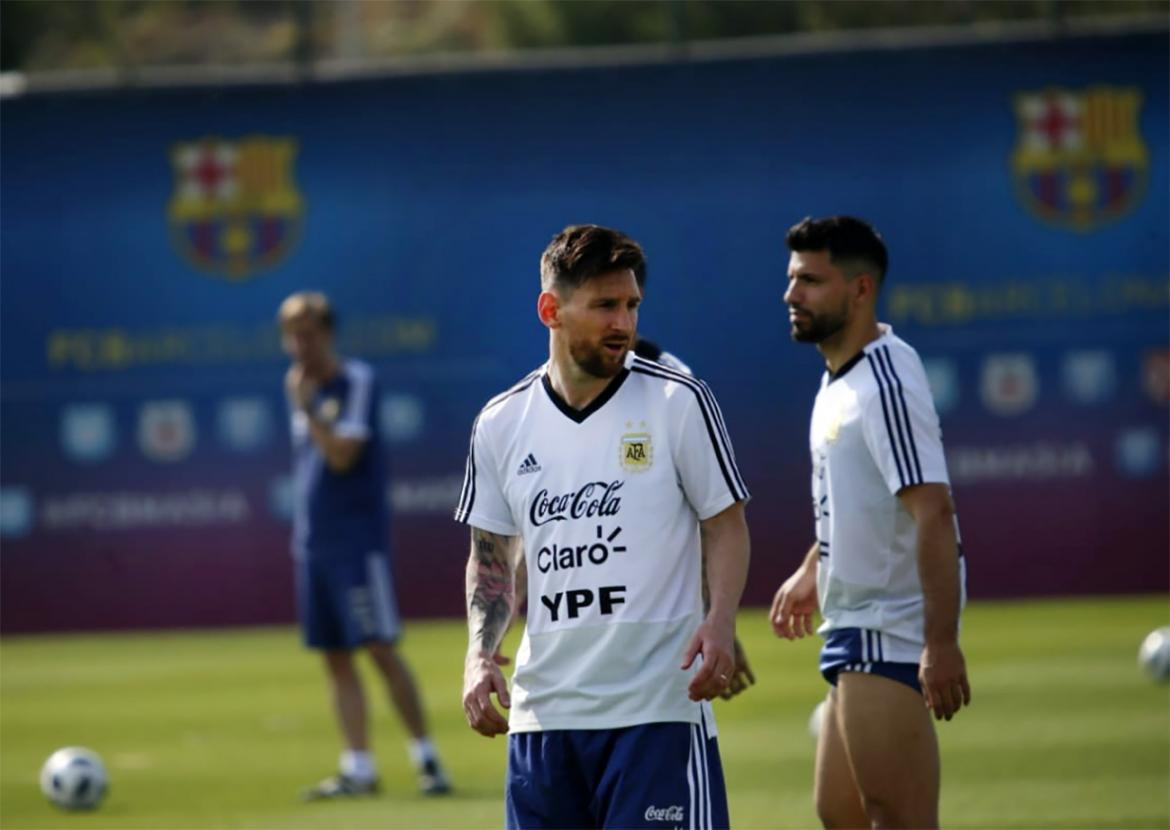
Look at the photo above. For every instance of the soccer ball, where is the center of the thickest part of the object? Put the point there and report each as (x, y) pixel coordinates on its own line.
(74, 778)
(1154, 655)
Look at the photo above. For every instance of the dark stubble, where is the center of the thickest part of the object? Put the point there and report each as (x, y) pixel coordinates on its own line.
(594, 361)
(820, 327)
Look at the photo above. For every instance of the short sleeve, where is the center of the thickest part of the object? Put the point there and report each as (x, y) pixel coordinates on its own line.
(481, 502)
(356, 419)
(901, 426)
(704, 456)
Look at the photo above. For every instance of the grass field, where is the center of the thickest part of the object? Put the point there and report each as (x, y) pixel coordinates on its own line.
(223, 729)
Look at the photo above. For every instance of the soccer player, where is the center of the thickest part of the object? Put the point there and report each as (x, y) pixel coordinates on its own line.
(886, 569)
(344, 591)
(604, 469)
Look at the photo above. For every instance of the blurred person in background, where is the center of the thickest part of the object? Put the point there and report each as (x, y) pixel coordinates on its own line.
(603, 470)
(886, 569)
(345, 593)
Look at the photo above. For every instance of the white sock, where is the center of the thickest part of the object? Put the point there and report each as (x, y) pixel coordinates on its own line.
(357, 764)
(421, 751)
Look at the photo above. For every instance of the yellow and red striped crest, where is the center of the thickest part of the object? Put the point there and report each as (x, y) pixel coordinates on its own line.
(235, 209)
(1079, 161)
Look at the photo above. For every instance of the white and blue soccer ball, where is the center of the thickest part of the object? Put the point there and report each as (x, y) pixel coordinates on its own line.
(74, 778)
(1154, 655)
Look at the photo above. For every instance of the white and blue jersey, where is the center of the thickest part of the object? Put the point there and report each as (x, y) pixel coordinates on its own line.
(608, 501)
(874, 432)
(345, 593)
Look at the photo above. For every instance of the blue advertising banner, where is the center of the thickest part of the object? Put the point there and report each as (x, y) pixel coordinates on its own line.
(147, 238)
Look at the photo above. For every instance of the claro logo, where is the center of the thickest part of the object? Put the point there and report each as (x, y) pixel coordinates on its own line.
(597, 498)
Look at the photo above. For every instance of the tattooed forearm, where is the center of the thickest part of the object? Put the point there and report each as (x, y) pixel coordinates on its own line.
(490, 589)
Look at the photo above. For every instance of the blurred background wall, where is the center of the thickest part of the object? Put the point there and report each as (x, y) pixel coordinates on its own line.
(413, 159)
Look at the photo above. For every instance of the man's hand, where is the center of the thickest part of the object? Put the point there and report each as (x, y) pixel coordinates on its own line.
(300, 388)
(795, 604)
(943, 675)
(715, 640)
(741, 675)
(481, 678)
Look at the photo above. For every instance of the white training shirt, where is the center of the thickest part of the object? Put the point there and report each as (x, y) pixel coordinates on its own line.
(608, 501)
(874, 431)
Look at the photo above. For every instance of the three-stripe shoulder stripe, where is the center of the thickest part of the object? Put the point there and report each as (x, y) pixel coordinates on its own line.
(703, 393)
(712, 417)
(467, 494)
(519, 386)
(896, 415)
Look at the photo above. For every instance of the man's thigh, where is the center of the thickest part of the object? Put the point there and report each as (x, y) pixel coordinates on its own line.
(315, 607)
(545, 786)
(835, 792)
(892, 749)
(346, 602)
(662, 775)
(652, 776)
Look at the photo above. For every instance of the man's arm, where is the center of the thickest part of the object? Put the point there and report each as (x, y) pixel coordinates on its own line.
(795, 602)
(340, 452)
(520, 591)
(742, 676)
(943, 673)
(490, 599)
(727, 545)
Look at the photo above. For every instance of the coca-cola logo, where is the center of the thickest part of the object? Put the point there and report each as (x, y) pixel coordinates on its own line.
(597, 498)
(672, 813)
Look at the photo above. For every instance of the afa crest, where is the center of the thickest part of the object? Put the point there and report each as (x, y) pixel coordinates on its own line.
(833, 429)
(637, 451)
(1079, 161)
(235, 209)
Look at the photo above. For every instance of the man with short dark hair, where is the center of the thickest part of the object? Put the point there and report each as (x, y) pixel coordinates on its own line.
(886, 569)
(603, 469)
(344, 590)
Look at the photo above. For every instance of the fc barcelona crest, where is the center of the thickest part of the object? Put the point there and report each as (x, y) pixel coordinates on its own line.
(235, 209)
(1079, 160)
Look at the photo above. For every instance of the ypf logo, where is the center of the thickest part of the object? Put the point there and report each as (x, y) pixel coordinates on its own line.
(235, 209)
(1079, 160)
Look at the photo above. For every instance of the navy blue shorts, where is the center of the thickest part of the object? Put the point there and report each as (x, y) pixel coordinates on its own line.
(346, 602)
(860, 650)
(655, 775)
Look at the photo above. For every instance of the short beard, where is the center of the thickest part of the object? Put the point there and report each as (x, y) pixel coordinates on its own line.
(820, 327)
(593, 361)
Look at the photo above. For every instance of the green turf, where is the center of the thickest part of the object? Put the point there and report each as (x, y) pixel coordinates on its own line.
(223, 729)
